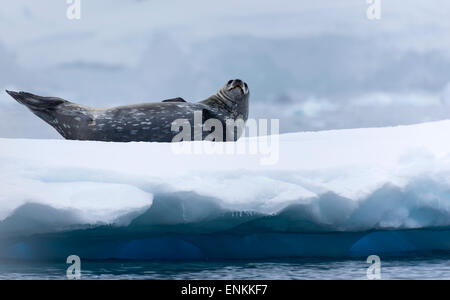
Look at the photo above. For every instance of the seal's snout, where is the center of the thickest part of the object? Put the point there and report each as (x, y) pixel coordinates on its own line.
(237, 83)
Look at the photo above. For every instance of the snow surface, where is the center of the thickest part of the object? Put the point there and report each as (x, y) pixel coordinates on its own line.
(344, 181)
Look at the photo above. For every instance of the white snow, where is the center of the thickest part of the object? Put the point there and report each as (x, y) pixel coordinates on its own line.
(394, 177)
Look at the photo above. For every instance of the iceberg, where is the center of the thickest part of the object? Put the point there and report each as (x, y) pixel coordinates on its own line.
(339, 193)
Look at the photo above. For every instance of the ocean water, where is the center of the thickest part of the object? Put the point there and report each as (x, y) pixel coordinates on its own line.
(430, 266)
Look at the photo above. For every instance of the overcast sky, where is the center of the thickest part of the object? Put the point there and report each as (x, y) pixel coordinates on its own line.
(315, 65)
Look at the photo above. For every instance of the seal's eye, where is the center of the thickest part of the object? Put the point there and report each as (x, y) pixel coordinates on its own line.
(245, 84)
(229, 82)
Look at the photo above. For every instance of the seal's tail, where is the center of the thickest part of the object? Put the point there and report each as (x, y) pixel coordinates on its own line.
(36, 103)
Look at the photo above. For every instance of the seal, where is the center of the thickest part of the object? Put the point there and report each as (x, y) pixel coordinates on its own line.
(147, 122)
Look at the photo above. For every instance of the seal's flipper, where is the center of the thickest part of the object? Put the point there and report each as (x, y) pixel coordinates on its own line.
(35, 102)
(178, 99)
(55, 111)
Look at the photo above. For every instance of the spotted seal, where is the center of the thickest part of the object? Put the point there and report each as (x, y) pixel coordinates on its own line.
(147, 122)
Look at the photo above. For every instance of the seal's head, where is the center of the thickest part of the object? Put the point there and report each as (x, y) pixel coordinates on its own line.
(235, 90)
(235, 94)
